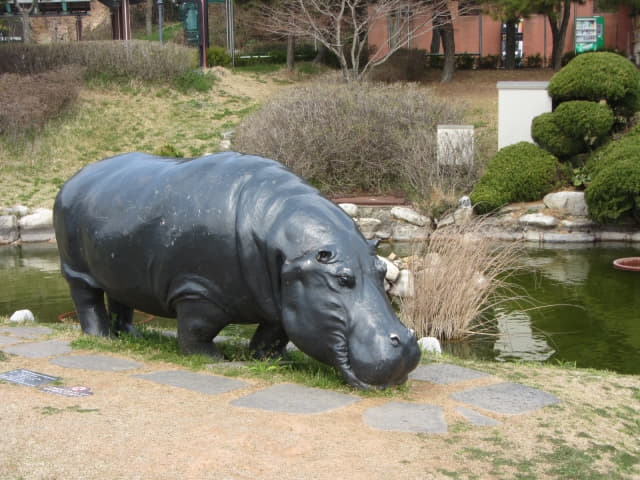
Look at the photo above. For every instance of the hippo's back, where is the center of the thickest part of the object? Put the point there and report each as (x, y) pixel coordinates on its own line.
(146, 229)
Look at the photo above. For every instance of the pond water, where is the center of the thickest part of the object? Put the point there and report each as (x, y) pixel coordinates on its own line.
(590, 312)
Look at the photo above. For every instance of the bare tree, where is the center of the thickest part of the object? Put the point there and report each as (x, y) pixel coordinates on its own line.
(25, 13)
(343, 27)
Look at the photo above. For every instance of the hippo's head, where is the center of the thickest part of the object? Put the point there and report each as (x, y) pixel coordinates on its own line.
(335, 309)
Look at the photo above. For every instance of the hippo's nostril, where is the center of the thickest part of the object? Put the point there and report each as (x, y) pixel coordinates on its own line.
(395, 339)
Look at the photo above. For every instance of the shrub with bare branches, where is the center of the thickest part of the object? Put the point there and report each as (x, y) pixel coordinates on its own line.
(348, 137)
(140, 60)
(29, 101)
(458, 278)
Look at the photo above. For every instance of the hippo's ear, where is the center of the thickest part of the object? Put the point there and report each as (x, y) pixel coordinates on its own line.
(373, 243)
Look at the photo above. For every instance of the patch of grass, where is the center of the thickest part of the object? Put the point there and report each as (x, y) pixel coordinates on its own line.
(150, 345)
(49, 410)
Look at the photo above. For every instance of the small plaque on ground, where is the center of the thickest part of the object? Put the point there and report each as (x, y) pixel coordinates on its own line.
(505, 398)
(443, 373)
(78, 391)
(209, 384)
(288, 398)
(407, 417)
(27, 377)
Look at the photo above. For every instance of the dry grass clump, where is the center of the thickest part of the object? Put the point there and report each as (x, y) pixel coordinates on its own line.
(140, 60)
(458, 278)
(348, 138)
(29, 101)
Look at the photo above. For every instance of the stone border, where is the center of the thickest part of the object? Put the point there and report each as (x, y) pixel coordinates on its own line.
(561, 217)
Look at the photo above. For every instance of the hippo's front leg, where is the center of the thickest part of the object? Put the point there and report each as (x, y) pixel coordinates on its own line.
(268, 341)
(199, 321)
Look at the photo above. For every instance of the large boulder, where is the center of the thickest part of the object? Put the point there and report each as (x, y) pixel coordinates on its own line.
(567, 203)
(8, 229)
(38, 226)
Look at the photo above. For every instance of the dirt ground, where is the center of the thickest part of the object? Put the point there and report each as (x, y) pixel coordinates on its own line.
(135, 429)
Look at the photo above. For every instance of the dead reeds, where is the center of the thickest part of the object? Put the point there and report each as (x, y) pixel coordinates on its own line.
(459, 276)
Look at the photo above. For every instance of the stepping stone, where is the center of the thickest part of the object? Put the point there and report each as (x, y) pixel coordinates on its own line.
(476, 418)
(505, 398)
(443, 373)
(102, 363)
(209, 384)
(39, 349)
(288, 398)
(28, 333)
(407, 417)
(8, 340)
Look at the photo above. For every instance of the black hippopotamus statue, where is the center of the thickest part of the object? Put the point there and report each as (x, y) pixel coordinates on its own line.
(229, 238)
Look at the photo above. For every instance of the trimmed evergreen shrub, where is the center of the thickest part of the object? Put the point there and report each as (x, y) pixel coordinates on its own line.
(599, 76)
(518, 173)
(614, 193)
(626, 147)
(546, 133)
(574, 127)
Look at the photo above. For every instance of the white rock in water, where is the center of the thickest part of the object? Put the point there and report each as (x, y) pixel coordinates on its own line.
(21, 316)
(430, 345)
(392, 271)
(350, 209)
(409, 215)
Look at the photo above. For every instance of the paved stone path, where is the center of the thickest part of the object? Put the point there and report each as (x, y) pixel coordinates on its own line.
(497, 398)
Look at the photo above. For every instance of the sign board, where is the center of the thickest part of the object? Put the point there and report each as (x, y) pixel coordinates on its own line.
(589, 34)
(27, 377)
(191, 16)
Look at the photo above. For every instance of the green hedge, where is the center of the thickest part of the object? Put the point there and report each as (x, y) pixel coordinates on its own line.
(574, 127)
(614, 193)
(626, 147)
(597, 76)
(518, 173)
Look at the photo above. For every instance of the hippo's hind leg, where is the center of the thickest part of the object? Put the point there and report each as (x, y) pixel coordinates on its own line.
(89, 304)
(268, 341)
(199, 321)
(121, 317)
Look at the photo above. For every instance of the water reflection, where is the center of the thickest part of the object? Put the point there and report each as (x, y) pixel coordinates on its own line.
(30, 278)
(517, 340)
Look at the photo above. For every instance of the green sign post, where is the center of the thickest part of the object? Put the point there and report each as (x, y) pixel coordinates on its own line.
(589, 34)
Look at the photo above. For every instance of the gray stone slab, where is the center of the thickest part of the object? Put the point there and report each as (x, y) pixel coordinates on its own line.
(39, 349)
(209, 384)
(8, 340)
(288, 398)
(505, 398)
(476, 418)
(407, 417)
(28, 333)
(443, 373)
(102, 363)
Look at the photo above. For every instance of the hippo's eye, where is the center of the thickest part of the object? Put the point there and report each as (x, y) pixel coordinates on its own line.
(324, 256)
